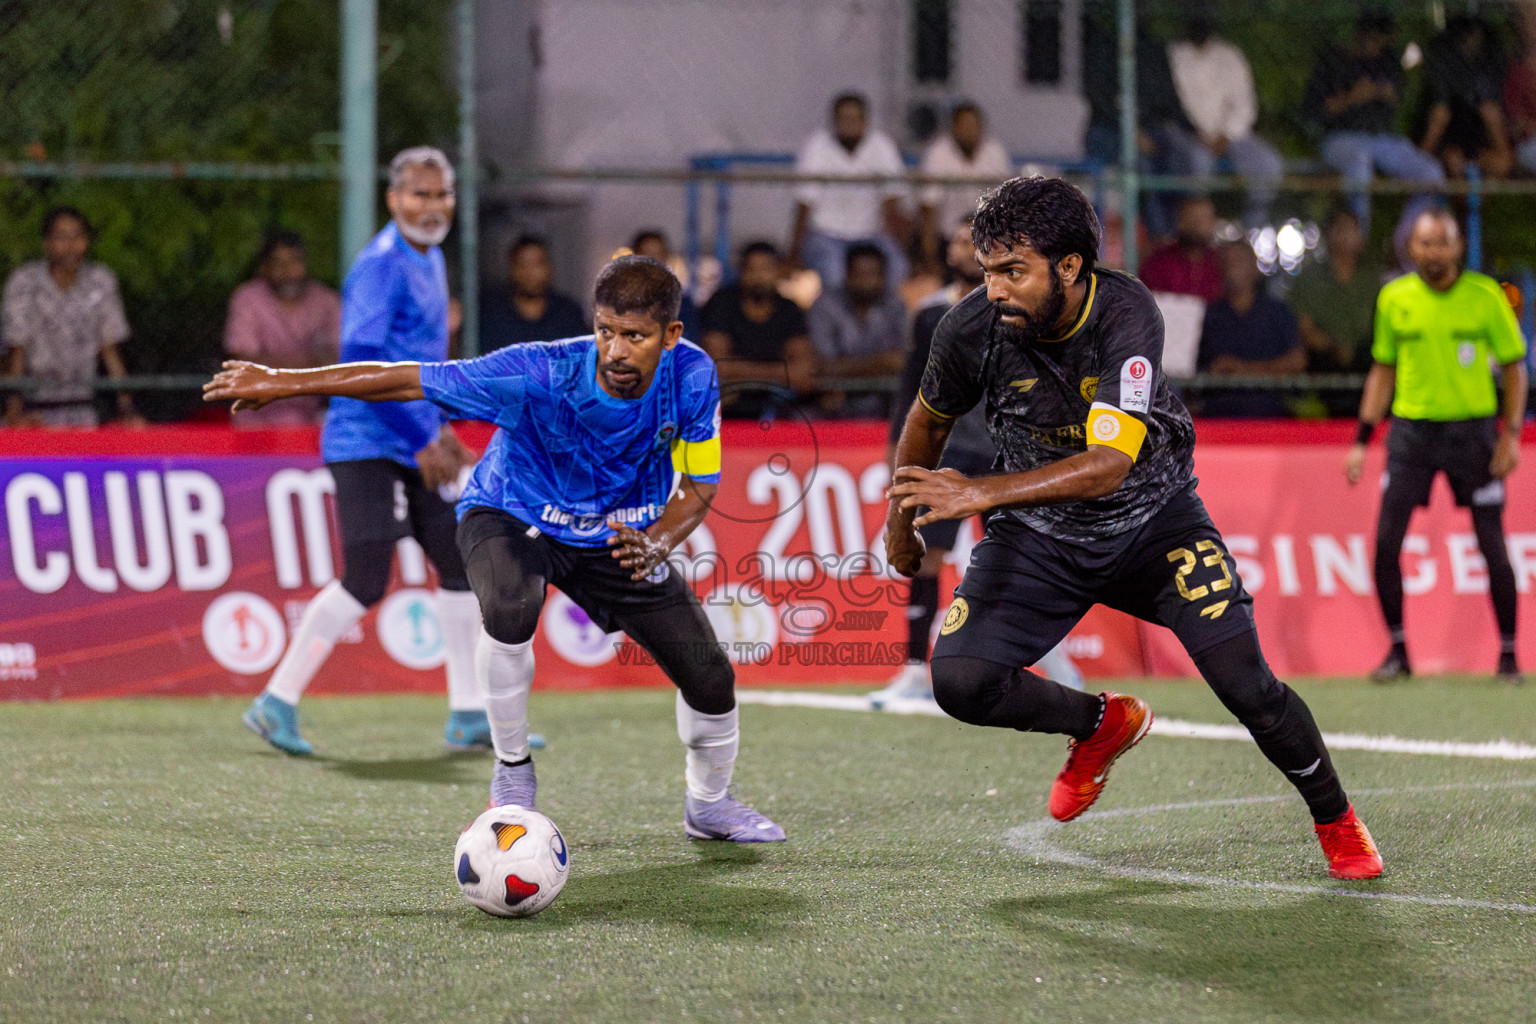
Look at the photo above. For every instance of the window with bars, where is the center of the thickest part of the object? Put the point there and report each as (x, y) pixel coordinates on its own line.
(932, 36)
(1040, 45)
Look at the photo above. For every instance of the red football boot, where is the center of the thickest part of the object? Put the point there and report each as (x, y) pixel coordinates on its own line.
(1349, 847)
(1126, 721)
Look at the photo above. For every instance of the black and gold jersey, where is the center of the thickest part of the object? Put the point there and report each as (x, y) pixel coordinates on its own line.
(1100, 383)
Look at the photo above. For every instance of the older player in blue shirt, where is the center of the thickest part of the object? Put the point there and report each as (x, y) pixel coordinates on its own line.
(606, 456)
(389, 460)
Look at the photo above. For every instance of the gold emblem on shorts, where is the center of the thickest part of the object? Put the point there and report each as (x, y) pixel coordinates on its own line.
(955, 617)
(1088, 388)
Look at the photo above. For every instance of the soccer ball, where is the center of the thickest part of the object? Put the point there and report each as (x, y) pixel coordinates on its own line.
(512, 862)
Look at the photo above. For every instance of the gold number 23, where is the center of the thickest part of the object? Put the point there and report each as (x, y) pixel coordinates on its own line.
(1215, 558)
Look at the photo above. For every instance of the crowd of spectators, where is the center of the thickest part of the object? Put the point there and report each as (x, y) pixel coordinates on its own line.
(874, 245)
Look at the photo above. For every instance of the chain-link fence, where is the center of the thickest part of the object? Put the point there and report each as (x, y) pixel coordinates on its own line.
(185, 130)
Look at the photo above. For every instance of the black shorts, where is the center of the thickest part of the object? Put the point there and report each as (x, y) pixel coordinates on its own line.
(945, 532)
(381, 500)
(1461, 449)
(1024, 590)
(591, 577)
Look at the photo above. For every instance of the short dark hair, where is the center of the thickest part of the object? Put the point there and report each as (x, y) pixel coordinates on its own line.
(279, 238)
(58, 213)
(1337, 214)
(759, 247)
(639, 284)
(1049, 215)
(863, 250)
(645, 233)
(858, 99)
(524, 240)
(966, 107)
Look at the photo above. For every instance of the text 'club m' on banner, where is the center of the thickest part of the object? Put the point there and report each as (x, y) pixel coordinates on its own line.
(179, 560)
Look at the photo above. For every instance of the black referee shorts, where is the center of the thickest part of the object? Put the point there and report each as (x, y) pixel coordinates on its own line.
(1024, 590)
(1461, 449)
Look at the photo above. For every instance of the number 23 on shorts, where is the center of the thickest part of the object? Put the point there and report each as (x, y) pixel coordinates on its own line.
(1212, 557)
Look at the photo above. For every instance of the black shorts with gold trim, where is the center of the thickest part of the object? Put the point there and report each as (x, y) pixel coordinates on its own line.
(1024, 591)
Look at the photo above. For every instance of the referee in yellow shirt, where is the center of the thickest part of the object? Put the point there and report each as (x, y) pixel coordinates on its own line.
(1435, 333)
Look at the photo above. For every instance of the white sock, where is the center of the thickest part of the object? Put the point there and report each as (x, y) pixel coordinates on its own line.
(458, 612)
(711, 741)
(505, 673)
(331, 613)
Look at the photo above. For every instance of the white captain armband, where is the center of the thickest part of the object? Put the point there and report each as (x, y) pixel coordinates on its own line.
(1112, 428)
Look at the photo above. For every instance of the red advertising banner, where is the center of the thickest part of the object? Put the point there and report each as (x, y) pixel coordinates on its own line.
(177, 560)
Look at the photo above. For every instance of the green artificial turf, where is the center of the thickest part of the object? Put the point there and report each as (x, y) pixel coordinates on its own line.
(157, 862)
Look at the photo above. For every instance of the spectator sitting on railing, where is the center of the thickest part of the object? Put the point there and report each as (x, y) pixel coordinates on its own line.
(1464, 123)
(830, 218)
(1189, 265)
(858, 330)
(529, 309)
(1157, 111)
(1353, 98)
(755, 334)
(1334, 299)
(1520, 96)
(1215, 87)
(652, 242)
(61, 314)
(1248, 333)
(962, 152)
(283, 319)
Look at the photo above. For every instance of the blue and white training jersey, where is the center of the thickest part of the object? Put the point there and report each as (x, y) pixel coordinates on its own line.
(394, 308)
(568, 456)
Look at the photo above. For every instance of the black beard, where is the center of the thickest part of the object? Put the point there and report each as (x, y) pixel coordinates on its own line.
(1034, 326)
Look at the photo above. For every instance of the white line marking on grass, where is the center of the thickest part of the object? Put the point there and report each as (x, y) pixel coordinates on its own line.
(1034, 840)
(1502, 750)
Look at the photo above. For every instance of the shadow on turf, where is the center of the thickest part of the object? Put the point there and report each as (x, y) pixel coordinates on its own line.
(690, 895)
(1312, 955)
(444, 769)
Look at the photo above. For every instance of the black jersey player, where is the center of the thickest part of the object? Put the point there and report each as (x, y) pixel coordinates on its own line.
(1095, 503)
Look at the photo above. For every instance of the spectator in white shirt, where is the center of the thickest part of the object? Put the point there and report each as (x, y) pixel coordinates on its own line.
(1215, 87)
(965, 152)
(829, 218)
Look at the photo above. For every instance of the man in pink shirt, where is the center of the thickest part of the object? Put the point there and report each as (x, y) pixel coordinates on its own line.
(282, 318)
(1190, 265)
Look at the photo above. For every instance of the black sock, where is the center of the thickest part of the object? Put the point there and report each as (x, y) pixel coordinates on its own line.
(515, 764)
(1279, 720)
(922, 602)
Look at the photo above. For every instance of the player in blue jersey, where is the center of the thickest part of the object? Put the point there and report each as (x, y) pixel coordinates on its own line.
(606, 457)
(389, 460)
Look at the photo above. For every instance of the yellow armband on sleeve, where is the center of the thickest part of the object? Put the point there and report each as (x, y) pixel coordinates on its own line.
(697, 458)
(1112, 428)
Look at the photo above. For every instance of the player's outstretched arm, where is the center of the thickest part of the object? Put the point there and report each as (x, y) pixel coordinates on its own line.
(920, 445)
(948, 494)
(251, 385)
(641, 551)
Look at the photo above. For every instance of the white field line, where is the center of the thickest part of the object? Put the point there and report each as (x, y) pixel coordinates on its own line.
(1503, 750)
(1034, 840)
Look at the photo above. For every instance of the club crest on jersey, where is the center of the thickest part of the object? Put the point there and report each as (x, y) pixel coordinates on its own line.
(1088, 388)
(665, 435)
(1136, 384)
(1466, 353)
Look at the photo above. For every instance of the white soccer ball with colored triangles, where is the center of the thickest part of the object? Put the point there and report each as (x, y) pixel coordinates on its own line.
(512, 862)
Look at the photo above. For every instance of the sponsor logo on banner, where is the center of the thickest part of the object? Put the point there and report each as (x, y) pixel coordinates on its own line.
(573, 634)
(1136, 384)
(409, 629)
(244, 633)
(742, 625)
(18, 661)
